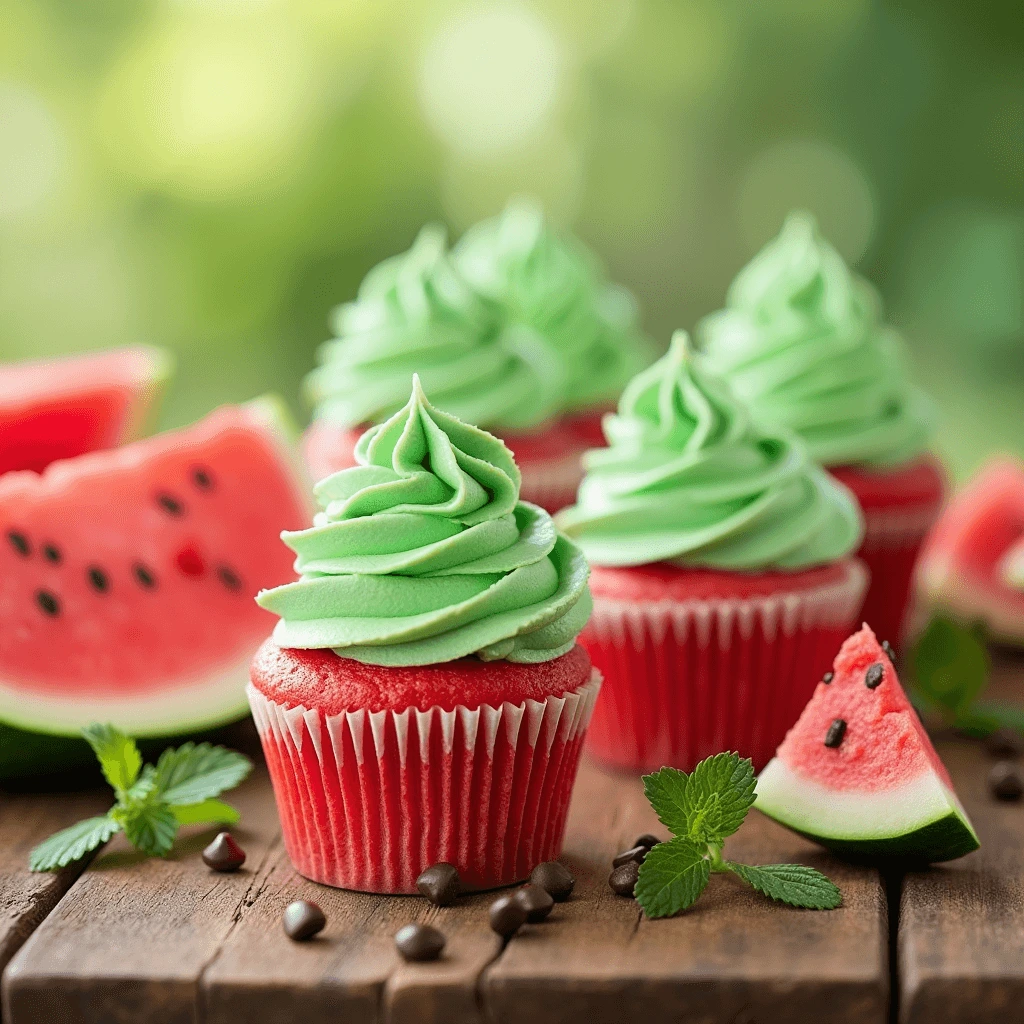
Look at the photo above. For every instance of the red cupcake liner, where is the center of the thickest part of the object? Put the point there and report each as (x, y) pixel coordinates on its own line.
(685, 679)
(368, 800)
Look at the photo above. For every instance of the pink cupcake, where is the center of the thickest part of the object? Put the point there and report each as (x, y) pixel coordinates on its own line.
(722, 577)
(517, 331)
(802, 343)
(423, 698)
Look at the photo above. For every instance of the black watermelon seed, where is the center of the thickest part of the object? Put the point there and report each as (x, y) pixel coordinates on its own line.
(98, 579)
(48, 602)
(20, 543)
(52, 554)
(144, 576)
(202, 478)
(889, 652)
(229, 577)
(170, 504)
(836, 732)
(828, 677)
(874, 676)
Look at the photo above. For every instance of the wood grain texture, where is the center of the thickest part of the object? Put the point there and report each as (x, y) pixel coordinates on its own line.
(961, 925)
(734, 957)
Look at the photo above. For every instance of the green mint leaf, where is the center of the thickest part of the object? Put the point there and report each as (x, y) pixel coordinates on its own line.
(795, 884)
(730, 778)
(209, 812)
(196, 772)
(950, 666)
(150, 826)
(987, 716)
(71, 844)
(666, 792)
(672, 877)
(705, 820)
(119, 757)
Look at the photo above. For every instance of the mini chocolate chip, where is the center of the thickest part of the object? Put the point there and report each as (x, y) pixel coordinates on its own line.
(624, 878)
(646, 840)
(874, 676)
(889, 652)
(202, 479)
(440, 884)
(302, 920)
(20, 543)
(836, 732)
(553, 878)
(48, 602)
(170, 504)
(1005, 742)
(98, 579)
(52, 554)
(419, 942)
(144, 576)
(537, 902)
(224, 854)
(1005, 781)
(229, 578)
(507, 915)
(828, 677)
(637, 853)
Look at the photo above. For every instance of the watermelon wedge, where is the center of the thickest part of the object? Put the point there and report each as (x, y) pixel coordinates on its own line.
(59, 408)
(127, 577)
(858, 773)
(971, 565)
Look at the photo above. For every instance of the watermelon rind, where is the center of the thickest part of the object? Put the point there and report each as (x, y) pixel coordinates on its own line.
(920, 820)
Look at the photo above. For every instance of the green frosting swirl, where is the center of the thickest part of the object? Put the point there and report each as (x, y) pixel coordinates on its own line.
(416, 313)
(554, 286)
(423, 553)
(800, 341)
(688, 479)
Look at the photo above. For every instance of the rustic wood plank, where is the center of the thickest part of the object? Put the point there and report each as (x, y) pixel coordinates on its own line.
(961, 926)
(733, 957)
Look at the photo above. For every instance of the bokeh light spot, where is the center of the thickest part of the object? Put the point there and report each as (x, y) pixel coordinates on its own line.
(32, 150)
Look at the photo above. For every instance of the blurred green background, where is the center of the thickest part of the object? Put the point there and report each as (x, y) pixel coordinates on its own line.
(214, 175)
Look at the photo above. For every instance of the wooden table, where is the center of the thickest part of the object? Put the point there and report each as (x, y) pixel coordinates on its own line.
(131, 939)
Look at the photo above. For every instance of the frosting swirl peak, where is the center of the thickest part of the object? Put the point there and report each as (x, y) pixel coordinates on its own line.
(687, 478)
(423, 553)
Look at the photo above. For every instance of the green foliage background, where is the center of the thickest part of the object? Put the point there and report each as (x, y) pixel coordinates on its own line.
(214, 175)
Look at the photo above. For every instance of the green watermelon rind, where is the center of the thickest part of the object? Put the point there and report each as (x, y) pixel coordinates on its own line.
(935, 828)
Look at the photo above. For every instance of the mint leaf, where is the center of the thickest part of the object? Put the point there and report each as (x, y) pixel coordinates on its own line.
(950, 666)
(119, 757)
(193, 773)
(795, 884)
(209, 812)
(150, 826)
(672, 877)
(666, 792)
(71, 844)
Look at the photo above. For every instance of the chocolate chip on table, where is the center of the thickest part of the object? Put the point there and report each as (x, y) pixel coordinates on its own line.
(303, 920)
(637, 853)
(224, 854)
(440, 884)
(624, 878)
(1005, 742)
(507, 915)
(537, 902)
(419, 942)
(646, 840)
(554, 878)
(836, 732)
(1006, 781)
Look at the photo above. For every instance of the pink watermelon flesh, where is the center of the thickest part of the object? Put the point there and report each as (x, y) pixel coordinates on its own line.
(882, 790)
(60, 408)
(967, 565)
(127, 577)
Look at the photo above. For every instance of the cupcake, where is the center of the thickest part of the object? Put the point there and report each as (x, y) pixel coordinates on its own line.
(423, 697)
(802, 343)
(721, 572)
(519, 334)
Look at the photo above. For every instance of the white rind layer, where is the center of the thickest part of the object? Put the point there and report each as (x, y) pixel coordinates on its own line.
(809, 807)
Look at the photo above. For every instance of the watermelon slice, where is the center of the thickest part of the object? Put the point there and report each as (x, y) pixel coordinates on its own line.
(127, 577)
(971, 563)
(59, 408)
(858, 774)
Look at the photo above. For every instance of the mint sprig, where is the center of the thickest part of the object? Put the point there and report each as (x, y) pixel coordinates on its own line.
(152, 802)
(702, 809)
